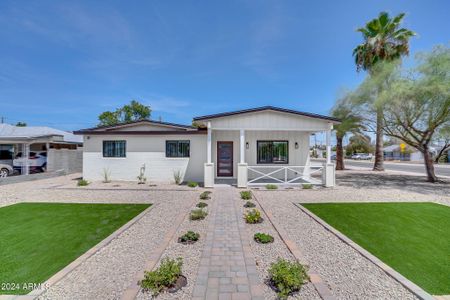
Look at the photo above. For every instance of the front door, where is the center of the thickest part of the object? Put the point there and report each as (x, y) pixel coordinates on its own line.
(224, 159)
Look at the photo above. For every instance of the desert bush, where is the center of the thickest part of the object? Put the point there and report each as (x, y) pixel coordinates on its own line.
(271, 186)
(263, 238)
(253, 216)
(189, 237)
(192, 184)
(246, 195)
(205, 195)
(82, 182)
(287, 277)
(177, 177)
(249, 204)
(307, 186)
(201, 204)
(198, 214)
(163, 277)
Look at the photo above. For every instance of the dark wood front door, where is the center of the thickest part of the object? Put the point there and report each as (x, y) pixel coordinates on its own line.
(224, 159)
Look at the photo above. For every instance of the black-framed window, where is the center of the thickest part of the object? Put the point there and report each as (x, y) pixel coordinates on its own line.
(272, 152)
(114, 148)
(177, 148)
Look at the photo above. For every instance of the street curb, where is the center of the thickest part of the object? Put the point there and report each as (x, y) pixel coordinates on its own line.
(321, 287)
(77, 262)
(412, 287)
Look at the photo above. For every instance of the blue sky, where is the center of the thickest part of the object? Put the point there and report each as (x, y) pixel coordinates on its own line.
(64, 62)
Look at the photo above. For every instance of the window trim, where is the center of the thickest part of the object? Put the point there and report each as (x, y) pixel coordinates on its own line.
(114, 157)
(272, 163)
(178, 141)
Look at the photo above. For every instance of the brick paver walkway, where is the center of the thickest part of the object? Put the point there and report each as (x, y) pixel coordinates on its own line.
(227, 267)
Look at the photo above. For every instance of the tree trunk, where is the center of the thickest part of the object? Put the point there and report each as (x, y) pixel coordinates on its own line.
(429, 166)
(339, 154)
(379, 156)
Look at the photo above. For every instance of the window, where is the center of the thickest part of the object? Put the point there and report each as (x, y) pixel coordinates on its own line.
(114, 148)
(177, 148)
(272, 152)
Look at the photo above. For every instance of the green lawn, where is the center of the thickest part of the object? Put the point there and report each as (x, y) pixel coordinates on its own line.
(39, 239)
(412, 238)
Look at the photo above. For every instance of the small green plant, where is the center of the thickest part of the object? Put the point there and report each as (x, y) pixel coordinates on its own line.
(177, 177)
(253, 216)
(198, 214)
(192, 184)
(271, 186)
(287, 277)
(246, 195)
(141, 177)
(307, 186)
(189, 237)
(205, 195)
(163, 277)
(82, 182)
(201, 204)
(106, 175)
(263, 238)
(249, 204)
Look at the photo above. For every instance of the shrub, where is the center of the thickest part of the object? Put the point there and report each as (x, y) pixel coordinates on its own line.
(82, 182)
(271, 186)
(263, 238)
(253, 216)
(141, 177)
(177, 177)
(198, 214)
(189, 237)
(163, 277)
(287, 277)
(192, 184)
(246, 195)
(307, 186)
(106, 175)
(205, 195)
(201, 204)
(249, 204)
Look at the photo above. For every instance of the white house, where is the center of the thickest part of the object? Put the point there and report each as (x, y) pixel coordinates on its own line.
(248, 147)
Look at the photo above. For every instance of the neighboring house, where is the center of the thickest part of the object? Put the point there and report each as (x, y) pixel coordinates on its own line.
(394, 152)
(253, 146)
(59, 148)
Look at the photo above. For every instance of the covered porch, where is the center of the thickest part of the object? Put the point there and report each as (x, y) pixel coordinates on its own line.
(266, 147)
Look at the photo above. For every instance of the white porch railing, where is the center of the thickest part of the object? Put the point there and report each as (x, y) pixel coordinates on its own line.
(286, 175)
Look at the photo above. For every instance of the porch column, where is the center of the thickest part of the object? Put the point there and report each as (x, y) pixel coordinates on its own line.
(328, 172)
(242, 166)
(25, 156)
(208, 172)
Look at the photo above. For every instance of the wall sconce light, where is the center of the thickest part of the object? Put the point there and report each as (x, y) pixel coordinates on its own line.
(296, 145)
(247, 145)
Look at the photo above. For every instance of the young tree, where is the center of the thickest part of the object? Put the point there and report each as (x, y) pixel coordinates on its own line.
(443, 137)
(384, 41)
(420, 104)
(351, 122)
(128, 113)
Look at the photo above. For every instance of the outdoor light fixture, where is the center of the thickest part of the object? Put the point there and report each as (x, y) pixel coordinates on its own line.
(296, 145)
(246, 145)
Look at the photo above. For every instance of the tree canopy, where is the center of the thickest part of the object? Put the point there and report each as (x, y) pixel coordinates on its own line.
(133, 111)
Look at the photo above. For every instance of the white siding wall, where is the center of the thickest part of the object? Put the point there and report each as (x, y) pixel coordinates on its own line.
(145, 149)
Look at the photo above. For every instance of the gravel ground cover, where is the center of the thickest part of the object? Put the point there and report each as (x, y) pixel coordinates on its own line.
(190, 253)
(348, 274)
(265, 254)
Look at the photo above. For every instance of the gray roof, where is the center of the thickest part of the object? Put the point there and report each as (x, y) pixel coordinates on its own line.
(33, 132)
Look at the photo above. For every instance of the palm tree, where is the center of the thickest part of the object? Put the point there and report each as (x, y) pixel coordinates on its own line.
(384, 41)
(351, 122)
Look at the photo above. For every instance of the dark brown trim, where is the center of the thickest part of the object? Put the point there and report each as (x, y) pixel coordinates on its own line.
(137, 132)
(232, 158)
(258, 109)
(109, 127)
